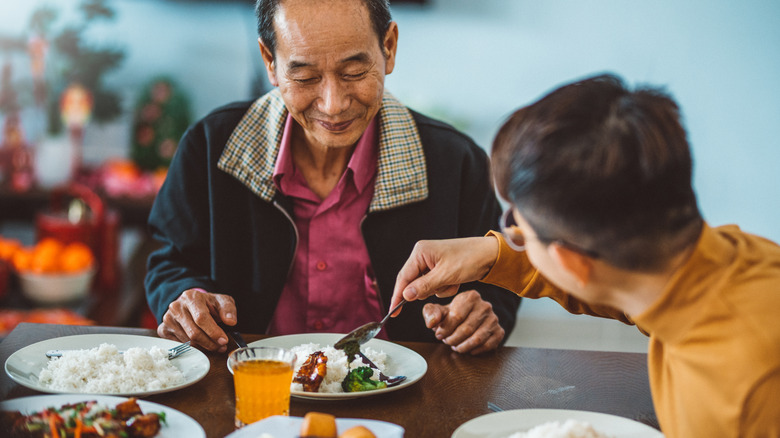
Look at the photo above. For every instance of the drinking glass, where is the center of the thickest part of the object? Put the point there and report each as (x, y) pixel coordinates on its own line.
(262, 378)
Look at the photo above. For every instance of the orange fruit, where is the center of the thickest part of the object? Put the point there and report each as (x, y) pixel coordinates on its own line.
(76, 257)
(46, 256)
(8, 247)
(22, 259)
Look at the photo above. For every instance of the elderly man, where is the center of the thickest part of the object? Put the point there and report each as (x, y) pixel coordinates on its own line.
(605, 222)
(294, 213)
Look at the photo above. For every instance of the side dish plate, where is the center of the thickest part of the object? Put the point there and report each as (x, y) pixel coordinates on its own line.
(290, 427)
(505, 423)
(176, 424)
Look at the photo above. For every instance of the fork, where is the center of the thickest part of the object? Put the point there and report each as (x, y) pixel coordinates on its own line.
(178, 350)
(173, 352)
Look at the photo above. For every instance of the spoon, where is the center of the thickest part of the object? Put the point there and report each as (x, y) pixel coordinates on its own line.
(365, 332)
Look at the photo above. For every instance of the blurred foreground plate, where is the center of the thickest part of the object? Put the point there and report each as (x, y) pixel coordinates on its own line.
(25, 365)
(506, 423)
(400, 361)
(176, 423)
(290, 427)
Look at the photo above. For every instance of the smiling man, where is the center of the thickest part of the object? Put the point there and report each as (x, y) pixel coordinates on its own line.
(294, 213)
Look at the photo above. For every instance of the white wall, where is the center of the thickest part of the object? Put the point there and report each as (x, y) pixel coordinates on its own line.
(473, 62)
(720, 59)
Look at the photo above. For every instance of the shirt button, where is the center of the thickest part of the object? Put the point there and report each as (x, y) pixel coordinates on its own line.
(321, 266)
(318, 325)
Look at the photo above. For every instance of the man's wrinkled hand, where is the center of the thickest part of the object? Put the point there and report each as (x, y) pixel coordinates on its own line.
(195, 315)
(468, 324)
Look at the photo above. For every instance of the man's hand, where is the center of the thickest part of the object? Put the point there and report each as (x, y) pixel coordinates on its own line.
(467, 324)
(440, 266)
(195, 315)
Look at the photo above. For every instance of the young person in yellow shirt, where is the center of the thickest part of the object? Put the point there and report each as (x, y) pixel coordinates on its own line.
(604, 220)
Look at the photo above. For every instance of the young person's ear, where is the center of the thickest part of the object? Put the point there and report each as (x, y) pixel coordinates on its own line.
(577, 264)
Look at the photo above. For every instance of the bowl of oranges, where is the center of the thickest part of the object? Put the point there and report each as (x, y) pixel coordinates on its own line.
(51, 271)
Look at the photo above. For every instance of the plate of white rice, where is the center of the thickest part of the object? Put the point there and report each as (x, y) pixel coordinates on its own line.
(392, 359)
(553, 423)
(93, 364)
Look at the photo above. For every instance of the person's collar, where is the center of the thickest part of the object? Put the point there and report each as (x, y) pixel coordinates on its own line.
(664, 318)
(361, 165)
(251, 151)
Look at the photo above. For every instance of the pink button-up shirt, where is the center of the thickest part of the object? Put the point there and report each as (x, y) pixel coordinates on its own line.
(331, 287)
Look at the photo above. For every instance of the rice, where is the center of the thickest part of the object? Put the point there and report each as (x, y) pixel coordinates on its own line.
(103, 370)
(558, 429)
(337, 367)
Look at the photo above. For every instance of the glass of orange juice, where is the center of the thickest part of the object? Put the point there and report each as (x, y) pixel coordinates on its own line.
(262, 378)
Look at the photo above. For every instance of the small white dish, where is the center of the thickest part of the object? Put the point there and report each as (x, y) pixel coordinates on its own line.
(25, 365)
(505, 423)
(176, 424)
(290, 427)
(400, 361)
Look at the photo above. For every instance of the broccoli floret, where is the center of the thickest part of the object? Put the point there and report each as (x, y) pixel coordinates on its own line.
(359, 379)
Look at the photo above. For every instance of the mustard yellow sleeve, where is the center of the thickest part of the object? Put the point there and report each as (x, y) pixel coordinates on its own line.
(513, 271)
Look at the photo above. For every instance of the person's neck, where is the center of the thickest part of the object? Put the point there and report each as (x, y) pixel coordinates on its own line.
(321, 166)
(634, 292)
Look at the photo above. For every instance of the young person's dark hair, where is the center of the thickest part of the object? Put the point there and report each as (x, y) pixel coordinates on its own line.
(265, 11)
(626, 197)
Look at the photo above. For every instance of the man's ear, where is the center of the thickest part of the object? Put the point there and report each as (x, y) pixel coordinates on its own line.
(577, 264)
(268, 61)
(390, 46)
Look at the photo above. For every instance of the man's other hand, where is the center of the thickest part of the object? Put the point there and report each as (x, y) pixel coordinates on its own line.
(468, 324)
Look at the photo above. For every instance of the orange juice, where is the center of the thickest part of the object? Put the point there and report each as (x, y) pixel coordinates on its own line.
(262, 389)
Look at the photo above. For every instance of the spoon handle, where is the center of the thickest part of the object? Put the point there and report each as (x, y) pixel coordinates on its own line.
(397, 306)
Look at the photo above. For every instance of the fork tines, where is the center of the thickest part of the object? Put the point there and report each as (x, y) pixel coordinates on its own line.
(179, 350)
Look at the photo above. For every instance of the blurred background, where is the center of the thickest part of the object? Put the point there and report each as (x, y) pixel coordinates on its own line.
(98, 92)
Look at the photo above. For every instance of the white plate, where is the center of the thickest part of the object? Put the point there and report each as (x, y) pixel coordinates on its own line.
(503, 424)
(289, 427)
(24, 365)
(400, 361)
(176, 424)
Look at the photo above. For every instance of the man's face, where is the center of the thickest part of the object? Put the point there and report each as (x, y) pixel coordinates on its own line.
(329, 68)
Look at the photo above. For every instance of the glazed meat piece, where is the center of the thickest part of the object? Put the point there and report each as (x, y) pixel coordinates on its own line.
(128, 409)
(143, 426)
(312, 372)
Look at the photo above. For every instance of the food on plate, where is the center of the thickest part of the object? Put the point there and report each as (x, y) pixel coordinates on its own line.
(311, 373)
(318, 425)
(337, 366)
(359, 379)
(561, 429)
(104, 370)
(86, 419)
(357, 432)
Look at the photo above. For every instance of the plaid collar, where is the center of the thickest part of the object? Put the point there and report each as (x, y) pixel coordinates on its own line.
(251, 151)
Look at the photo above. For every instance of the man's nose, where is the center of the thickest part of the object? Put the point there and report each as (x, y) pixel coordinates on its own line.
(334, 97)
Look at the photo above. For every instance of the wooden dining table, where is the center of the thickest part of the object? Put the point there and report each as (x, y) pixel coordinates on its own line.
(455, 389)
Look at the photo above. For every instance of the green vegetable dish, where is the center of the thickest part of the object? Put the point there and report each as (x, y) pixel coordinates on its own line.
(86, 419)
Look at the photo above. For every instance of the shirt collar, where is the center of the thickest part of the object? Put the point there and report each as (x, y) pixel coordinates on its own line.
(251, 152)
(683, 294)
(362, 163)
